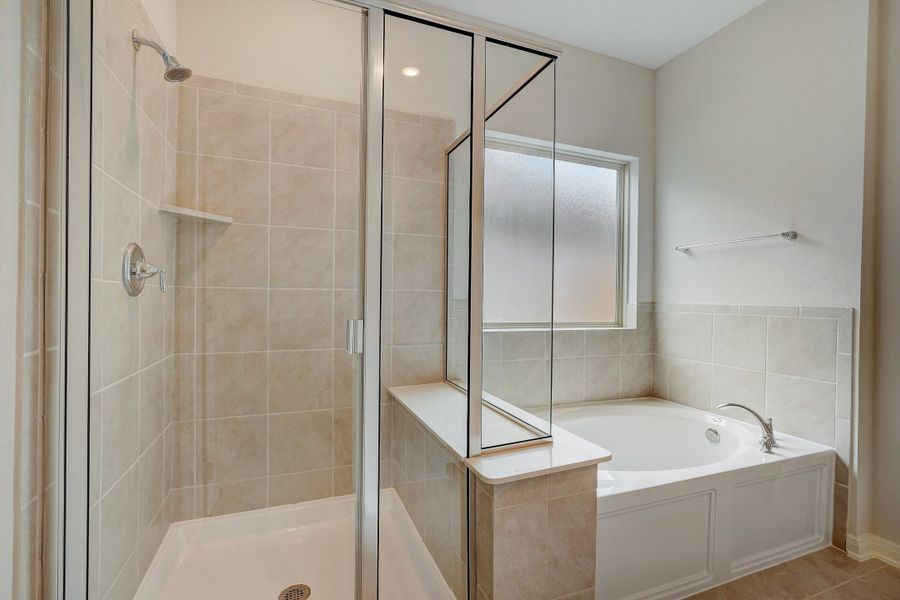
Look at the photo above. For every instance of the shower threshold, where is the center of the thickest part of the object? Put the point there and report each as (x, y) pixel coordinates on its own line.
(258, 554)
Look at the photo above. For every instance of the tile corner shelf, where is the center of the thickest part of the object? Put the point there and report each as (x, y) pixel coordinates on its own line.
(190, 214)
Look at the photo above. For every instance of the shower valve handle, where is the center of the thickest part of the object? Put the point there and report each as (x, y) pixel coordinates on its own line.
(145, 270)
(135, 270)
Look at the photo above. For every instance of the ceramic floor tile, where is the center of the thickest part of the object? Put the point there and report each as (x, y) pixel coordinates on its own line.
(828, 574)
(883, 584)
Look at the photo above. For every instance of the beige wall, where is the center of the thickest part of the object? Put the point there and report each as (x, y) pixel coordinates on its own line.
(164, 16)
(609, 105)
(761, 128)
(282, 44)
(886, 492)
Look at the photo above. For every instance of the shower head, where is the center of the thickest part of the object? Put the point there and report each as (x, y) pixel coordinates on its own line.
(175, 71)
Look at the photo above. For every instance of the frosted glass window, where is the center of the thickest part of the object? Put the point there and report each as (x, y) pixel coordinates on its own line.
(587, 256)
(586, 253)
(518, 237)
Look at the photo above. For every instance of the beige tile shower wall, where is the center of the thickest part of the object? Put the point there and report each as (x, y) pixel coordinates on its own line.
(793, 364)
(588, 364)
(263, 393)
(414, 280)
(132, 363)
(431, 482)
(425, 474)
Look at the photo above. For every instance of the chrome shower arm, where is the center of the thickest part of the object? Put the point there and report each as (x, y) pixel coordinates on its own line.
(175, 71)
(138, 41)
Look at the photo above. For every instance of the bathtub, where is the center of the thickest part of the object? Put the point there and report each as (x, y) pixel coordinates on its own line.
(689, 502)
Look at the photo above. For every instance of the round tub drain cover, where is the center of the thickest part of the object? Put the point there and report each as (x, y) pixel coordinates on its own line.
(295, 592)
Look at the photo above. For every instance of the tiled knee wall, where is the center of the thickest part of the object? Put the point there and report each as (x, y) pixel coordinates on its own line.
(536, 538)
(431, 482)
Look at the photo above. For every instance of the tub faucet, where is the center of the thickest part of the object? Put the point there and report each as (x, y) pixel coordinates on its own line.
(768, 428)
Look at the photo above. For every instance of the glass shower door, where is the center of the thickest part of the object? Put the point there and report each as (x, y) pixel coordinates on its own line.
(225, 266)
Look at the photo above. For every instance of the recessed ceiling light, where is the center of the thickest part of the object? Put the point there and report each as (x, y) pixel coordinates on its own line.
(410, 71)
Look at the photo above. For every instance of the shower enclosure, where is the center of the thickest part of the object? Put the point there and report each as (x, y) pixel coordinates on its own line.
(261, 243)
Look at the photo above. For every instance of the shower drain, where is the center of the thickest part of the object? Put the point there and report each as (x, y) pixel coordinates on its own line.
(295, 592)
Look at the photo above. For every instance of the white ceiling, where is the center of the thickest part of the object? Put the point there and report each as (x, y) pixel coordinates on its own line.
(645, 32)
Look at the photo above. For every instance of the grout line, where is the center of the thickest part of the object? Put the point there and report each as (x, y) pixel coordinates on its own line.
(840, 585)
(195, 342)
(333, 284)
(268, 302)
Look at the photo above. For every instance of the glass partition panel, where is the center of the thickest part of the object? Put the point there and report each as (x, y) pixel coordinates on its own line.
(518, 245)
(459, 167)
(427, 109)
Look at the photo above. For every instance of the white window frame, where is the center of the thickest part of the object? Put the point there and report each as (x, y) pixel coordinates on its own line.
(628, 209)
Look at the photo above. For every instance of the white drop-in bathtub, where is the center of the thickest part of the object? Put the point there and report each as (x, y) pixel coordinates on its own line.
(679, 512)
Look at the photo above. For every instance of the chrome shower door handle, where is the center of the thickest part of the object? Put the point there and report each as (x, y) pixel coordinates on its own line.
(354, 339)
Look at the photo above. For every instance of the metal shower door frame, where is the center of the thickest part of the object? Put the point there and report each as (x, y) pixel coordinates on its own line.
(368, 420)
(73, 488)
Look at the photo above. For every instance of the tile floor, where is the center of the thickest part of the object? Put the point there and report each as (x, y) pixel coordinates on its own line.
(828, 574)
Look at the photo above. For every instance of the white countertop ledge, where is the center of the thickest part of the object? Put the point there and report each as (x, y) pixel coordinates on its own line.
(441, 409)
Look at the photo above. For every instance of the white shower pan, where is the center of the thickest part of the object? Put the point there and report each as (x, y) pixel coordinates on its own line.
(257, 554)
